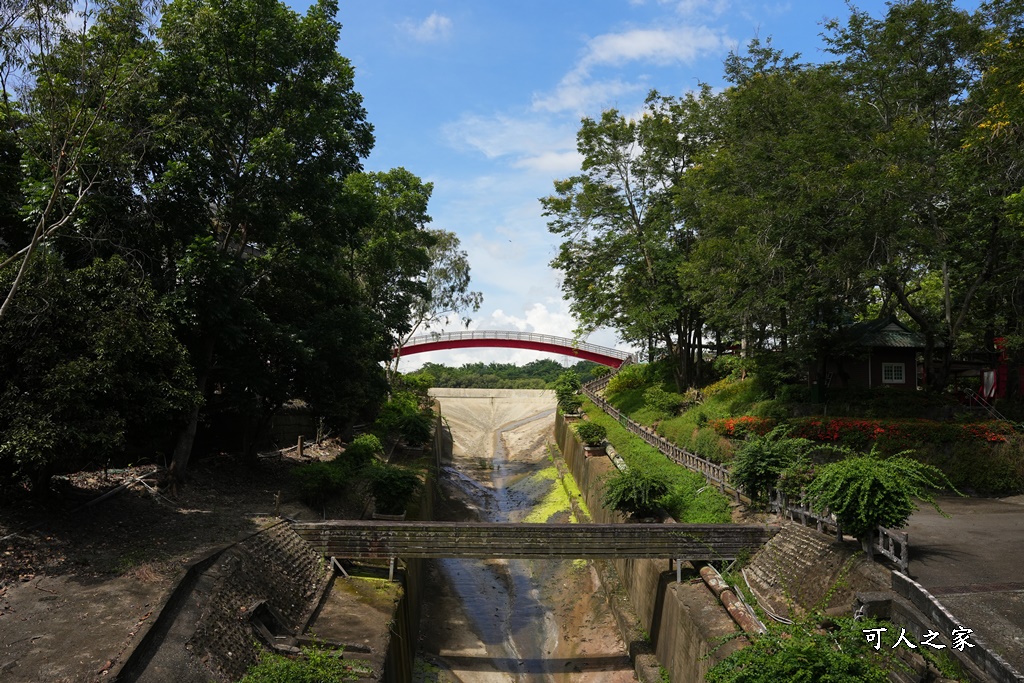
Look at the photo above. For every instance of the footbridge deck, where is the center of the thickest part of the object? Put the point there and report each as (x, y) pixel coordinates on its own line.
(367, 540)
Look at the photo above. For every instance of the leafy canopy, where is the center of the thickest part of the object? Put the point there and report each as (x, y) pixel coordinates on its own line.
(868, 491)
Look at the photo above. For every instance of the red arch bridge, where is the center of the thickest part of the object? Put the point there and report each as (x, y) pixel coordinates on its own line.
(512, 340)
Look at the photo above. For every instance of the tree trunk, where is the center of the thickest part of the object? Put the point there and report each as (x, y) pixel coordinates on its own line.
(183, 449)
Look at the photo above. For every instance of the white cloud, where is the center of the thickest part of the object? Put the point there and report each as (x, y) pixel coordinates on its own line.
(556, 164)
(434, 29)
(579, 91)
(576, 93)
(705, 8)
(656, 46)
(502, 135)
(531, 143)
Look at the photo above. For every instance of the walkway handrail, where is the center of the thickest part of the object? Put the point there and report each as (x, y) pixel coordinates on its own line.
(474, 335)
(893, 544)
(713, 472)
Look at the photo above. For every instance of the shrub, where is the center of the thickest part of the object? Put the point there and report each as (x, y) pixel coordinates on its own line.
(866, 491)
(567, 388)
(362, 450)
(400, 405)
(629, 377)
(318, 482)
(988, 469)
(709, 445)
(600, 371)
(759, 461)
(793, 393)
(317, 666)
(634, 491)
(772, 409)
(591, 433)
(417, 428)
(731, 367)
(571, 405)
(804, 652)
(392, 487)
(742, 426)
(666, 402)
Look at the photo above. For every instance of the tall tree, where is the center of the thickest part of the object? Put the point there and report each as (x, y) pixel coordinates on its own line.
(447, 286)
(266, 126)
(780, 262)
(910, 73)
(75, 79)
(622, 237)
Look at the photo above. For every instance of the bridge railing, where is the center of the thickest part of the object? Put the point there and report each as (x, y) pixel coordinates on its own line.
(474, 335)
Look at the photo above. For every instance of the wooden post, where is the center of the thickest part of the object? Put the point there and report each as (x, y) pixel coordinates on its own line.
(300, 445)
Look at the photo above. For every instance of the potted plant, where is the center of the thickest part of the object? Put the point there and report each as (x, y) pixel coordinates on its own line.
(592, 435)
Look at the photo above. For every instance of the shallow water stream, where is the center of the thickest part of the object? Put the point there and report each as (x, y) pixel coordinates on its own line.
(512, 620)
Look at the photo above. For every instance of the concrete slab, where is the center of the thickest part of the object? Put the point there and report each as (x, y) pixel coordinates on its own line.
(973, 562)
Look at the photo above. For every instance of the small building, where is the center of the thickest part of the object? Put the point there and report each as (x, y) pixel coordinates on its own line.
(877, 353)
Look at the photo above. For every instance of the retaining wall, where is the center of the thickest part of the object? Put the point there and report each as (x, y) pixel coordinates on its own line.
(405, 635)
(686, 624)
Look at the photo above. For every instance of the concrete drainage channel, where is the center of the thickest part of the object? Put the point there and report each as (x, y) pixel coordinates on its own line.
(269, 586)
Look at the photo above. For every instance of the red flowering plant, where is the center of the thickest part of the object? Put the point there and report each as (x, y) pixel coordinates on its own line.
(860, 433)
(742, 426)
(993, 432)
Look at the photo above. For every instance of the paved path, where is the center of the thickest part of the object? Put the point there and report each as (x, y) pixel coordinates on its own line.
(973, 563)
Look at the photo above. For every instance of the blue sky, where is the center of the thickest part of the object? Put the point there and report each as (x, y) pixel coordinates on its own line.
(483, 99)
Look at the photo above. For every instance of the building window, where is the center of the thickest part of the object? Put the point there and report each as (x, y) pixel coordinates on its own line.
(894, 373)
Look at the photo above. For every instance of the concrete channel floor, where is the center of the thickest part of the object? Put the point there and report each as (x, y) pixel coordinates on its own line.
(973, 563)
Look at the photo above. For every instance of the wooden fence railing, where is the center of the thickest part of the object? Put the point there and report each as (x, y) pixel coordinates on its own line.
(894, 545)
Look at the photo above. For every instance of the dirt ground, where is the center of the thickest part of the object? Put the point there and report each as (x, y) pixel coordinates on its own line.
(80, 580)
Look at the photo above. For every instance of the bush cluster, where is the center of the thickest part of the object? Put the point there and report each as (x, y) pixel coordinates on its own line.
(590, 433)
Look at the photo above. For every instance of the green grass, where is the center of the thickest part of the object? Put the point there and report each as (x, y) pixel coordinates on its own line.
(689, 499)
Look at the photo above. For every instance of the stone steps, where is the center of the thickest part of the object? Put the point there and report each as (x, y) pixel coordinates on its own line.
(797, 566)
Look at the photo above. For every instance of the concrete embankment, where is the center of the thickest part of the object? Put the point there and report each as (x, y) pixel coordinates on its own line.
(688, 629)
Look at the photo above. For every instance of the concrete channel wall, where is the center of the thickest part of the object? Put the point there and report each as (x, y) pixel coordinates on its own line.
(686, 625)
(405, 636)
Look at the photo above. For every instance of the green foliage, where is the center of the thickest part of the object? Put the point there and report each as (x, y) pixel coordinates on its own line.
(400, 407)
(417, 428)
(392, 486)
(93, 372)
(316, 665)
(591, 433)
(759, 461)
(868, 491)
(804, 652)
(318, 482)
(665, 402)
(363, 449)
(986, 469)
(682, 500)
(630, 377)
(567, 388)
(732, 367)
(634, 491)
(538, 374)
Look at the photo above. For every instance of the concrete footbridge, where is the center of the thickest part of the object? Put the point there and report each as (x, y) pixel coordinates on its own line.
(512, 340)
(358, 539)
